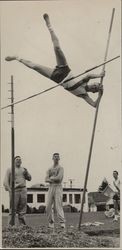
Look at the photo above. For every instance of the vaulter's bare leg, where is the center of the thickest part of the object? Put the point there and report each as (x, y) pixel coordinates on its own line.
(45, 71)
(60, 57)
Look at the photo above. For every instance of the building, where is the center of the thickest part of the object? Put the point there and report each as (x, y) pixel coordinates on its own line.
(99, 202)
(37, 196)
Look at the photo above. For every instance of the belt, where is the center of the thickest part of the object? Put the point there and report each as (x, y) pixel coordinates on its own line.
(20, 187)
(55, 184)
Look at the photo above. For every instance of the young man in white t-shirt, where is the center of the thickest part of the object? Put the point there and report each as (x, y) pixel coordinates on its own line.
(116, 197)
(54, 177)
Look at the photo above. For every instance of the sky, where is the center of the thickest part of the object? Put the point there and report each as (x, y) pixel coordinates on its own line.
(58, 121)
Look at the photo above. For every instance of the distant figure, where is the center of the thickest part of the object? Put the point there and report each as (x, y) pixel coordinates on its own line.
(62, 73)
(103, 185)
(106, 188)
(54, 177)
(116, 197)
(110, 213)
(21, 175)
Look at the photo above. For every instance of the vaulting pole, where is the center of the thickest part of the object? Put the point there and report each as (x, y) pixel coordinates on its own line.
(94, 126)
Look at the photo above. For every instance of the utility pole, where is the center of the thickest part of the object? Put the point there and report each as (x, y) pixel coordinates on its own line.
(12, 154)
(71, 182)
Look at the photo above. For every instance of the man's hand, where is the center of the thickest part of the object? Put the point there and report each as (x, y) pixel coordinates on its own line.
(25, 172)
(100, 89)
(27, 175)
(52, 178)
(102, 74)
(48, 180)
(8, 189)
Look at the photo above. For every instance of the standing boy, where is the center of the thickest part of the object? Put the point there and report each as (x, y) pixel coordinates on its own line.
(54, 177)
(21, 175)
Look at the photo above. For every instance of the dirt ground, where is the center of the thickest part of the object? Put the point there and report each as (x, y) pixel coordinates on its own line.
(37, 234)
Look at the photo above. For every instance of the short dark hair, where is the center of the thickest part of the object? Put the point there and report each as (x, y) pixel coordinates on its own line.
(18, 156)
(115, 171)
(56, 154)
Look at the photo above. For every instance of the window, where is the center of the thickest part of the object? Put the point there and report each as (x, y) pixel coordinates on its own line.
(77, 198)
(29, 198)
(41, 198)
(64, 197)
(70, 198)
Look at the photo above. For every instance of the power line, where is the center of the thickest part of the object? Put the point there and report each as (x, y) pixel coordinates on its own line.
(60, 84)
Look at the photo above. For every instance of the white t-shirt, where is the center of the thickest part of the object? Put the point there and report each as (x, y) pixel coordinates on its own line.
(117, 183)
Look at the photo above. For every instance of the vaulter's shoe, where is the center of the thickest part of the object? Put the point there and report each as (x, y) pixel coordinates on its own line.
(47, 20)
(45, 16)
(63, 225)
(10, 58)
(51, 225)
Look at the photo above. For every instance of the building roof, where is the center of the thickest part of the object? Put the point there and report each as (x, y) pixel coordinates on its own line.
(38, 185)
(42, 187)
(97, 198)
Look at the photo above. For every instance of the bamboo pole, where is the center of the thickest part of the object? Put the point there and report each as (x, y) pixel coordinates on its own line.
(94, 125)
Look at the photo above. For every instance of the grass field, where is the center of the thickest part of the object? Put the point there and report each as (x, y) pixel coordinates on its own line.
(72, 219)
(109, 231)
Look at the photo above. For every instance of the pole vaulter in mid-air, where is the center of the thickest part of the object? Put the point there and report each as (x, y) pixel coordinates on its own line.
(62, 73)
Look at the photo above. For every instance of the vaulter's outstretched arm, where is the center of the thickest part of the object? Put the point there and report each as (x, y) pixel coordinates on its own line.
(93, 76)
(90, 101)
(90, 76)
